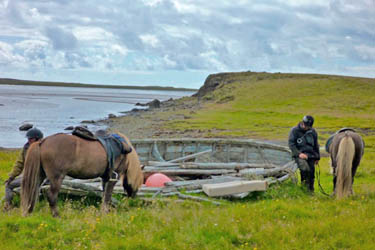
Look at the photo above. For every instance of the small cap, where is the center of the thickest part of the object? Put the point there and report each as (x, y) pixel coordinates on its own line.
(34, 133)
(308, 120)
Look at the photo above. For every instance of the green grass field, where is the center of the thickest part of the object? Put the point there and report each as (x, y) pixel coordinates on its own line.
(254, 105)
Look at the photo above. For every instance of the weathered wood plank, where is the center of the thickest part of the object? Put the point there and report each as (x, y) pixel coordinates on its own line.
(196, 198)
(82, 186)
(188, 157)
(219, 165)
(235, 187)
(249, 142)
(177, 171)
(162, 164)
(197, 184)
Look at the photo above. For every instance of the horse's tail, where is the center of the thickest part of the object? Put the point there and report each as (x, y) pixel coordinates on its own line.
(345, 158)
(31, 179)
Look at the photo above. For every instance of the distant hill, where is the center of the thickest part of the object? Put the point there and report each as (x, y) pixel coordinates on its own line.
(266, 105)
(215, 81)
(8, 81)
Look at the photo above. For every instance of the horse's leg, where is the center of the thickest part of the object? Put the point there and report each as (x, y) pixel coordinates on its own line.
(128, 188)
(107, 195)
(104, 182)
(52, 194)
(333, 166)
(354, 170)
(334, 185)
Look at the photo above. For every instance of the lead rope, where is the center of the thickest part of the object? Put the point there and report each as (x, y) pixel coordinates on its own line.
(318, 177)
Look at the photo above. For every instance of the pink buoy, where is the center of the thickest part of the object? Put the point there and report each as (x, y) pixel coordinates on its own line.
(157, 180)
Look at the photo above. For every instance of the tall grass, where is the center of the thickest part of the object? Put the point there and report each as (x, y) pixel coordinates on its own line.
(285, 217)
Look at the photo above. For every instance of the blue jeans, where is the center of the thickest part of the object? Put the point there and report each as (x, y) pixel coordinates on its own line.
(9, 188)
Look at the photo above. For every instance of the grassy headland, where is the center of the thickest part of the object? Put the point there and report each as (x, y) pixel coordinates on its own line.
(7, 81)
(251, 105)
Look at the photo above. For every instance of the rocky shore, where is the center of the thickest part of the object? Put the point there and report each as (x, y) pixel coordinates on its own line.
(148, 123)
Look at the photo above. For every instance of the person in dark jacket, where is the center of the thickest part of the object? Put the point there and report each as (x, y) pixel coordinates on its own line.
(14, 179)
(303, 142)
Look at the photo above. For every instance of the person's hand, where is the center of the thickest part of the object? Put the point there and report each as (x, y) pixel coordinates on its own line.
(303, 156)
(316, 162)
(9, 180)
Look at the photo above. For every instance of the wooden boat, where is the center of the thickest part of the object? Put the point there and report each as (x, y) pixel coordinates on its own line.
(202, 153)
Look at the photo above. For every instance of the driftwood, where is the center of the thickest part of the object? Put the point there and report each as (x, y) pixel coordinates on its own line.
(162, 164)
(178, 171)
(190, 197)
(230, 165)
(277, 171)
(192, 156)
(197, 184)
(79, 192)
(234, 187)
(84, 186)
(211, 165)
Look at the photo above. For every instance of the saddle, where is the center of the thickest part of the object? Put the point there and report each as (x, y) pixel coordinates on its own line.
(330, 139)
(84, 133)
(112, 144)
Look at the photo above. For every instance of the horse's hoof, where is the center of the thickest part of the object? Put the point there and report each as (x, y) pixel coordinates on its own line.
(55, 214)
(7, 207)
(105, 209)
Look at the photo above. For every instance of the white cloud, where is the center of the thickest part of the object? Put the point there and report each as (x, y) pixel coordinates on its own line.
(150, 39)
(87, 33)
(8, 57)
(187, 36)
(191, 7)
(366, 52)
(119, 49)
(151, 2)
(297, 3)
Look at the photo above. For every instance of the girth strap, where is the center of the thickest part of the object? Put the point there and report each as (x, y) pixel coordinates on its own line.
(114, 148)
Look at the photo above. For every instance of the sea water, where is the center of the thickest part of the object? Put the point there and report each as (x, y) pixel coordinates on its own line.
(52, 109)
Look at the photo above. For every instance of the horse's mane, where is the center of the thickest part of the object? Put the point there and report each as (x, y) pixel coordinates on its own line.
(133, 168)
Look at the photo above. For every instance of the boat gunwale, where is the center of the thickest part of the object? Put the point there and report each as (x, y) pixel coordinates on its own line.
(250, 142)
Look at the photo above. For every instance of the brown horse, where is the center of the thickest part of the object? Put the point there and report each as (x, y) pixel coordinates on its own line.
(59, 155)
(346, 151)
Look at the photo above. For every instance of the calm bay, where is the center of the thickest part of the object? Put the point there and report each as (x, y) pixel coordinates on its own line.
(52, 109)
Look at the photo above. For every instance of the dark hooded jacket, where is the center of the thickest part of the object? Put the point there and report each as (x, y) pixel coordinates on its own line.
(304, 141)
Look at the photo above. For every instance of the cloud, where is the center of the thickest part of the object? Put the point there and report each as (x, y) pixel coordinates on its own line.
(188, 36)
(8, 57)
(61, 39)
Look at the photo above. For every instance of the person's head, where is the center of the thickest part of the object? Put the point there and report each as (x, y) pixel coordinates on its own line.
(307, 122)
(34, 135)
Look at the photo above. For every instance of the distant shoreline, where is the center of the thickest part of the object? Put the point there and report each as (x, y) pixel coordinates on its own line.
(9, 81)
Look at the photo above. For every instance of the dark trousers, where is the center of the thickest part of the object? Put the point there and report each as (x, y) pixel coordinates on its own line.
(307, 170)
(9, 189)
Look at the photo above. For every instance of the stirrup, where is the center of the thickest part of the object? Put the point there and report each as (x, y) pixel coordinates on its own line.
(116, 177)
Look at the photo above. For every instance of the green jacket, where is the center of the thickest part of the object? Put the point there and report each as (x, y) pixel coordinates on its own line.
(19, 164)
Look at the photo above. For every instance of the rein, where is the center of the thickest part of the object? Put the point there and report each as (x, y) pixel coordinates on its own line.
(318, 178)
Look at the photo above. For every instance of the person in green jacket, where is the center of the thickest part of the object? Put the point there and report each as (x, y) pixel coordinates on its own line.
(15, 179)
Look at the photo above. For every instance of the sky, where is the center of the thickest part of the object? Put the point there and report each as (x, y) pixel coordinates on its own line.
(180, 42)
